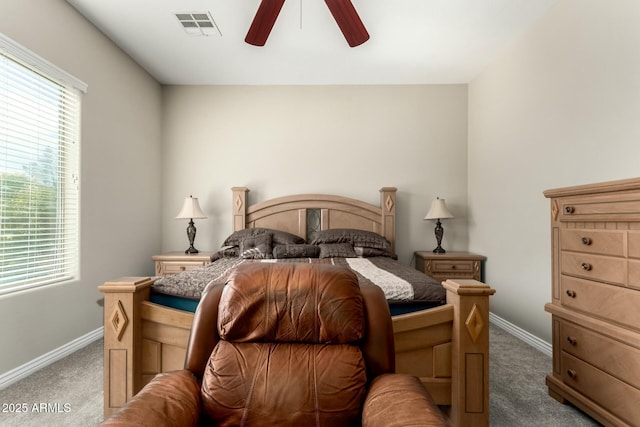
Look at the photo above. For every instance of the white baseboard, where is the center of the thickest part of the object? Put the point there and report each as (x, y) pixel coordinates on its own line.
(521, 334)
(40, 362)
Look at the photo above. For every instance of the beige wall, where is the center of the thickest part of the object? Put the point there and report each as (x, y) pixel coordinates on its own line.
(120, 191)
(347, 140)
(560, 108)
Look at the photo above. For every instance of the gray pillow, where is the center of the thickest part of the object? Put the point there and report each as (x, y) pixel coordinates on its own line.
(278, 237)
(337, 250)
(256, 247)
(362, 238)
(296, 251)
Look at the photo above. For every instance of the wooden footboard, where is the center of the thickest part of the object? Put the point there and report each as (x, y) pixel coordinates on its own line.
(446, 347)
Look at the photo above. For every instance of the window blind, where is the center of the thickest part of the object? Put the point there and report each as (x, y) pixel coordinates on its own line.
(39, 174)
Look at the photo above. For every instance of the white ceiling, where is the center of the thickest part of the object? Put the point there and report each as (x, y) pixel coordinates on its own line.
(412, 41)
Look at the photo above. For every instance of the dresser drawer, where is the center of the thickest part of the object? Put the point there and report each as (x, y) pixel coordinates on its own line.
(603, 242)
(634, 274)
(609, 302)
(175, 267)
(634, 244)
(618, 397)
(594, 267)
(604, 207)
(609, 355)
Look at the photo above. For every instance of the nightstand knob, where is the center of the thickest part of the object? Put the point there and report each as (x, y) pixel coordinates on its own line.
(571, 293)
(586, 241)
(572, 341)
(569, 209)
(183, 268)
(572, 374)
(453, 267)
(585, 266)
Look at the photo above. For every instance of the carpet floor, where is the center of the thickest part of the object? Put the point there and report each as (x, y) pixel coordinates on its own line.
(69, 392)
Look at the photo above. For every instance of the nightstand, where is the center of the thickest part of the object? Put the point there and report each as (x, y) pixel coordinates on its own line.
(176, 262)
(450, 265)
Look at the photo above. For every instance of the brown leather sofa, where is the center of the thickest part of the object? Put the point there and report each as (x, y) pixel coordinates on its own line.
(286, 345)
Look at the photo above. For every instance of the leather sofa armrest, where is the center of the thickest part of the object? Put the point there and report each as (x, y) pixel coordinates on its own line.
(170, 399)
(400, 400)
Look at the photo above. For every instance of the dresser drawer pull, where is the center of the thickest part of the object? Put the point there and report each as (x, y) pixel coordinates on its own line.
(572, 374)
(585, 266)
(453, 267)
(586, 241)
(572, 341)
(571, 293)
(183, 268)
(569, 209)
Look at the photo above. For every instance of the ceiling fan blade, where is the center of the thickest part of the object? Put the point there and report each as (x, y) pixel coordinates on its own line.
(348, 20)
(262, 24)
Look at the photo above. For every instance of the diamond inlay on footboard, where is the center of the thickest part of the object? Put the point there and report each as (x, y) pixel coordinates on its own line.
(119, 320)
(474, 323)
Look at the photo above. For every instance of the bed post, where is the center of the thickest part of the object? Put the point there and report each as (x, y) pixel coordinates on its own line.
(470, 352)
(388, 208)
(239, 207)
(122, 339)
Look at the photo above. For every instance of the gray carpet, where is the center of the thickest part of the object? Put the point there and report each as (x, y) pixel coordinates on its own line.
(66, 393)
(71, 390)
(518, 394)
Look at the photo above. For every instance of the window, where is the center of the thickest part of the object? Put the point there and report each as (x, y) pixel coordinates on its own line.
(39, 171)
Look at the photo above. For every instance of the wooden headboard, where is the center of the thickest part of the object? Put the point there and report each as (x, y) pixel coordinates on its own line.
(296, 213)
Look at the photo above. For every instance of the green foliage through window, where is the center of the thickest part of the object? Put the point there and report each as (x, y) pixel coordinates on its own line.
(39, 164)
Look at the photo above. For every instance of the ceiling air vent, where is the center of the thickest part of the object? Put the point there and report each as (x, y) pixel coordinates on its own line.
(198, 24)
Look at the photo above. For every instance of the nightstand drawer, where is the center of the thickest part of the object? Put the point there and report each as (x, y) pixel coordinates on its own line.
(175, 267)
(176, 262)
(452, 267)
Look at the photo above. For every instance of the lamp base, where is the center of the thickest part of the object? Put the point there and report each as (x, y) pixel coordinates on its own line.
(191, 234)
(439, 230)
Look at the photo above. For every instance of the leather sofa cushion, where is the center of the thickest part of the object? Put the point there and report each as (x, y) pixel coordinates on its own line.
(270, 384)
(257, 304)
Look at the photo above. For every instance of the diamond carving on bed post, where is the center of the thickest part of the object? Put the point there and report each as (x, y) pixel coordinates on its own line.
(119, 320)
(238, 203)
(389, 203)
(474, 323)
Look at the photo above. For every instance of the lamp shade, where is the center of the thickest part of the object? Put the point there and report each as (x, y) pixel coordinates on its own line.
(191, 209)
(438, 210)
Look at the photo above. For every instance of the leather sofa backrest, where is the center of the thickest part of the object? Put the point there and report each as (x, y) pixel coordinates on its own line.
(289, 349)
(292, 303)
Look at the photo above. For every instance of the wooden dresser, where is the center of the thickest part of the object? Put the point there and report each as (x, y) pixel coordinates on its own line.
(595, 307)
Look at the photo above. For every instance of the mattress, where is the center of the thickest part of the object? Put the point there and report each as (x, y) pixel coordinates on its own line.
(406, 289)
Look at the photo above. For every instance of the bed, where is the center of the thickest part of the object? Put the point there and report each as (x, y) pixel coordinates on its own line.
(443, 339)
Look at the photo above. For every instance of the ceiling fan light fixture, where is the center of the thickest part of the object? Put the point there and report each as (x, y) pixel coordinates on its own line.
(343, 12)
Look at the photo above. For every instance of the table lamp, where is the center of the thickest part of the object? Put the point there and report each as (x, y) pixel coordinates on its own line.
(191, 209)
(438, 211)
